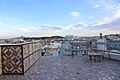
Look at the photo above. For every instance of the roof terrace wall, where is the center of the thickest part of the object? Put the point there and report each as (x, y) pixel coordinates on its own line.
(18, 58)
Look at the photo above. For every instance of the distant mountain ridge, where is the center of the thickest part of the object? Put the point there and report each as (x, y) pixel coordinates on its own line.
(21, 37)
(52, 37)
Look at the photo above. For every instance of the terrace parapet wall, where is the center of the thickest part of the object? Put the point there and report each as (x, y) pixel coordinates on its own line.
(18, 58)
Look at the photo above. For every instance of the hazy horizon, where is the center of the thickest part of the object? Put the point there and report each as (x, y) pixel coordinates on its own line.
(58, 17)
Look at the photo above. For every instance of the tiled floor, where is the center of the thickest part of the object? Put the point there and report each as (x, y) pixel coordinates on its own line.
(69, 68)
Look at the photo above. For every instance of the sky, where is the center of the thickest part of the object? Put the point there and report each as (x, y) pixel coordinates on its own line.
(37, 18)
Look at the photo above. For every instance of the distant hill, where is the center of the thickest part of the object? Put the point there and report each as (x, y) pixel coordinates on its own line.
(21, 37)
(52, 37)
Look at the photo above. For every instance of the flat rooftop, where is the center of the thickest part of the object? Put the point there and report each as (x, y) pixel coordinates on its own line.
(69, 68)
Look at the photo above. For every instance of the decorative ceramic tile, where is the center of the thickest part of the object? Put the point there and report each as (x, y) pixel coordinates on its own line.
(0, 63)
(25, 50)
(31, 60)
(33, 47)
(26, 63)
(15, 61)
(30, 48)
(12, 59)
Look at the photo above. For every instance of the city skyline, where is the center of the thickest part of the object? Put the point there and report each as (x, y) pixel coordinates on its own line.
(58, 17)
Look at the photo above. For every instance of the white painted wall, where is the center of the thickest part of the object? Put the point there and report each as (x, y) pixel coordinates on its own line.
(101, 46)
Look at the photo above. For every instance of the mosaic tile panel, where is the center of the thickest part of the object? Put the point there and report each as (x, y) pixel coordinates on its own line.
(30, 49)
(0, 63)
(40, 45)
(26, 63)
(36, 47)
(18, 58)
(31, 60)
(25, 50)
(34, 57)
(12, 59)
(33, 48)
(38, 54)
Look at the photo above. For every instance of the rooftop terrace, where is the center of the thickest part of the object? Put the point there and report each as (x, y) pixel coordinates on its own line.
(69, 68)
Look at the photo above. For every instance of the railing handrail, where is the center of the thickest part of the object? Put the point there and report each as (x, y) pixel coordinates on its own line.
(107, 43)
(107, 51)
(20, 43)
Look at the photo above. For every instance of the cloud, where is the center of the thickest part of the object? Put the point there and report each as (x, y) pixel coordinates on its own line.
(33, 28)
(113, 22)
(24, 29)
(41, 28)
(102, 22)
(75, 13)
(78, 26)
(51, 27)
(63, 28)
(90, 17)
(117, 13)
(106, 4)
(2, 24)
(96, 6)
